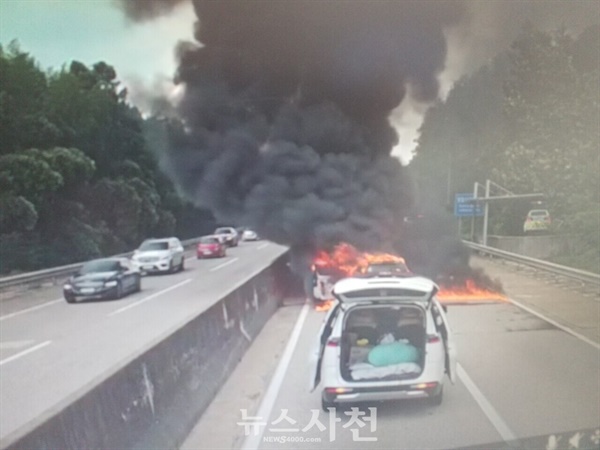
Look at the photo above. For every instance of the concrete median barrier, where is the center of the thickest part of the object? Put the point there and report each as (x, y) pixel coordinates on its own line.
(152, 401)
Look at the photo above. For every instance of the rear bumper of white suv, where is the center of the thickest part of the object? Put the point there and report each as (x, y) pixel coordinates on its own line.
(366, 394)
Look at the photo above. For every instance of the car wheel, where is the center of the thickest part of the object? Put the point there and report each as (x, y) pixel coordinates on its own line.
(171, 267)
(182, 265)
(138, 284)
(325, 405)
(70, 298)
(436, 400)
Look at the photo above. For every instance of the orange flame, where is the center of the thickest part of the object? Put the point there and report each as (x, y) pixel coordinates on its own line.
(324, 306)
(468, 292)
(348, 261)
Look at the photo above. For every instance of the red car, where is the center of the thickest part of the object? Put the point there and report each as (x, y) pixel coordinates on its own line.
(210, 246)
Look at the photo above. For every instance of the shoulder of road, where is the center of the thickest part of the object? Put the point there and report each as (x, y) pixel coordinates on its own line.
(566, 304)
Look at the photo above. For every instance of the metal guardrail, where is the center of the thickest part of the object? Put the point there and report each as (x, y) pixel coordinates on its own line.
(569, 272)
(51, 276)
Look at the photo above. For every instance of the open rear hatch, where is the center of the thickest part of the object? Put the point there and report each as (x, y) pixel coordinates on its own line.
(392, 290)
(383, 343)
(384, 334)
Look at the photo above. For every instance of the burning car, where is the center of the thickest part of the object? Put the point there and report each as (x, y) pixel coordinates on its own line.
(346, 261)
(456, 286)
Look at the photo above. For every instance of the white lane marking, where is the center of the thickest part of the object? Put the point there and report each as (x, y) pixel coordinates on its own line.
(33, 308)
(261, 246)
(10, 345)
(557, 325)
(25, 352)
(150, 297)
(252, 442)
(220, 266)
(485, 406)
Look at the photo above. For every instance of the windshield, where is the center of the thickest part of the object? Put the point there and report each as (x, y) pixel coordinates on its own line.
(100, 266)
(150, 246)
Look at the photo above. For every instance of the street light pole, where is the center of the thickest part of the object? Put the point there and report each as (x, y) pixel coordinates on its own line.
(473, 213)
(485, 212)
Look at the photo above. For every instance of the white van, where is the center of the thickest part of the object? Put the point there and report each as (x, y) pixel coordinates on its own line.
(384, 339)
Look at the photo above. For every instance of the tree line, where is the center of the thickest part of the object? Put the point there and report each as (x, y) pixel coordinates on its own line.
(78, 177)
(529, 121)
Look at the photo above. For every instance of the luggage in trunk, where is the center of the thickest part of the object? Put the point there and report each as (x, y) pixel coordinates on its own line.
(383, 343)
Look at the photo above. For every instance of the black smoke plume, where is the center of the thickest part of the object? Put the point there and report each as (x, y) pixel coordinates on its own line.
(141, 10)
(286, 111)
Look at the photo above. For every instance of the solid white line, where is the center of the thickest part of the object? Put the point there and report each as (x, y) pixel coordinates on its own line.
(150, 297)
(252, 442)
(25, 352)
(33, 308)
(261, 246)
(557, 325)
(220, 266)
(486, 406)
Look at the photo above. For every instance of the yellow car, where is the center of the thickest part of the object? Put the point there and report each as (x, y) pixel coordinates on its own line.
(537, 220)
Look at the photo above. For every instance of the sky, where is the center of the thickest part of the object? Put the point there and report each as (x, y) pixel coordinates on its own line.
(56, 32)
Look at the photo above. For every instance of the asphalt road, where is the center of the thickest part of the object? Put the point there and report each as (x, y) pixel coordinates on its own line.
(519, 376)
(51, 350)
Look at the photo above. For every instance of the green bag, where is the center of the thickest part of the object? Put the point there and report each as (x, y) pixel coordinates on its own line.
(394, 353)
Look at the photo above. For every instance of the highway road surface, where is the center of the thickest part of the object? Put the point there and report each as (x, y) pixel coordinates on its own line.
(50, 350)
(519, 376)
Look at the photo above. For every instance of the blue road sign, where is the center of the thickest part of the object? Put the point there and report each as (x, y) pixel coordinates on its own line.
(464, 208)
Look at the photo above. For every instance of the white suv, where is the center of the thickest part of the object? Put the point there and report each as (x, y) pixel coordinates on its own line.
(384, 339)
(159, 255)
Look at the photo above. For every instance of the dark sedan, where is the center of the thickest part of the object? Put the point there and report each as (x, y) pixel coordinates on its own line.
(103, 278)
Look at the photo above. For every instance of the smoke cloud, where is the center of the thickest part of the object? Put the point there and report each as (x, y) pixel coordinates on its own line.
(141, 10)
(286, 110)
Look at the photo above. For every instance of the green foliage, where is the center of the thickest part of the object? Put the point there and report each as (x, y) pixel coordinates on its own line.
(528, 121)
(27, 174)
(77, 176)
(16, 214)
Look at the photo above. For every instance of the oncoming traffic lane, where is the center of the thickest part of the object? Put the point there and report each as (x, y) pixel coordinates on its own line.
(89, 338)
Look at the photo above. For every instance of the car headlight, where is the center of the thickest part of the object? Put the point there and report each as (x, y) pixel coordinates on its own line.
(68, 287)
(111, 283)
